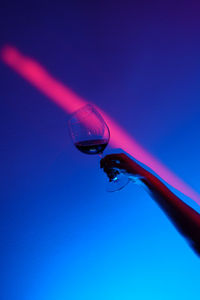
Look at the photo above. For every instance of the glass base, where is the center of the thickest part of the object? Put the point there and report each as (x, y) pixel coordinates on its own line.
(117, 183)
(121, 180)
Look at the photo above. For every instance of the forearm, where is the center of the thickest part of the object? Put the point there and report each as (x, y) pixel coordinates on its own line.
(186, 220)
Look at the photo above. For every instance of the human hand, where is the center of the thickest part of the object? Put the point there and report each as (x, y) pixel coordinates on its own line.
(110, 163)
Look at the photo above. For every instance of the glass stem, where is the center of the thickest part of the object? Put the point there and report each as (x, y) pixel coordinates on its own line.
(100, 155)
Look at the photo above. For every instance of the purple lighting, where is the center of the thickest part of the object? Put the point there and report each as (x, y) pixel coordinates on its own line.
(35, 74)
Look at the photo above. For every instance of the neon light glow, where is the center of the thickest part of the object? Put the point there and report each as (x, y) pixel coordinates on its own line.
(35, 74)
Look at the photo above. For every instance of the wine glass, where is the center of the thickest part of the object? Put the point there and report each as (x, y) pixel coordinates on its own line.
(90, 134)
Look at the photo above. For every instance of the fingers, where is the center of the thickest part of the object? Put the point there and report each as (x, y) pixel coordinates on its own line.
(112, 160)
(113, 164)
(111, 173)
(121, 162)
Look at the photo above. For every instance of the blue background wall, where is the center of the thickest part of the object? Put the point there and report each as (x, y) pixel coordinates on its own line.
(62, 235)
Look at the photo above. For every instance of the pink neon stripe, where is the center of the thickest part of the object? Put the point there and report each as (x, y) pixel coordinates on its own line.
(33, 72)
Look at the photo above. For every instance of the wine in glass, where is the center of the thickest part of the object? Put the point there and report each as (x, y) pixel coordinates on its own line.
(90, 134)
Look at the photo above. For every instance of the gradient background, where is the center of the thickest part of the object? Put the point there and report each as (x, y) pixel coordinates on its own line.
(62, 235)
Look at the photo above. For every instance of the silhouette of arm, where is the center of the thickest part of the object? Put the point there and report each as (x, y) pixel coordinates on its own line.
(184, 218)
